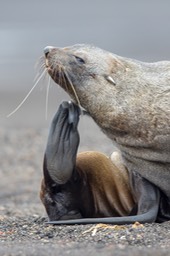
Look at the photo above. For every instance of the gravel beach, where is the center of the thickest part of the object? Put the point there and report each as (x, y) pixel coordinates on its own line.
(23, 228)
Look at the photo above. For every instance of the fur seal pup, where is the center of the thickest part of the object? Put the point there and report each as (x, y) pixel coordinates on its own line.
(89, 187)
(129, 100)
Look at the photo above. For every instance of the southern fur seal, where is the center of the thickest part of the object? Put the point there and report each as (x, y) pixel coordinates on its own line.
(129, 100)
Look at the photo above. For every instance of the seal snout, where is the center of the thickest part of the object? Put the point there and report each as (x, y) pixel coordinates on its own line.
(47, 50)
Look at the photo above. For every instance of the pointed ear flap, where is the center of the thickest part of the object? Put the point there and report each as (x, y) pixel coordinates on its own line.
(115, 65)
(110, 79)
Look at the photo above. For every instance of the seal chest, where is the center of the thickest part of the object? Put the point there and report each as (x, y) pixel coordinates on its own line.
(132, 107)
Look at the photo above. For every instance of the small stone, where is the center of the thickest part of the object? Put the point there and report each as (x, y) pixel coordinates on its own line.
(50, 235)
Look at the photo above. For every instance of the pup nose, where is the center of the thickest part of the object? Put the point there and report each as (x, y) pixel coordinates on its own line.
(47, 49)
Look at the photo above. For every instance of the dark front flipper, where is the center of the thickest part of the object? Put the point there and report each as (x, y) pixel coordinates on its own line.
(62, 145)
(147, 197)
(164, 208)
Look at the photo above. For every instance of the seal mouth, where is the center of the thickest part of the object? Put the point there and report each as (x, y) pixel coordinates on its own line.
(60, 75)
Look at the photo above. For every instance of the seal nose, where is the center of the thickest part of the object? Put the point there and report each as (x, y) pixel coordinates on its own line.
(47, 49)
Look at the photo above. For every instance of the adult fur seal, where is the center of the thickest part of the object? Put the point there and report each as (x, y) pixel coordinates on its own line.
(129, 100)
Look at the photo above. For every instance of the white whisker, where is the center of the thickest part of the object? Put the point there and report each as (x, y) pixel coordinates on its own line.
(73, 89)
(47, 97)
(26, 97)
(42, 68)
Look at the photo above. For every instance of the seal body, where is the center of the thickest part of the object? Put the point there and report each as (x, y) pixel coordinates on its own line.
(128, 99)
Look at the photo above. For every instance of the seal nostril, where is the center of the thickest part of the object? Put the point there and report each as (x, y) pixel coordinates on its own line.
(47, 49)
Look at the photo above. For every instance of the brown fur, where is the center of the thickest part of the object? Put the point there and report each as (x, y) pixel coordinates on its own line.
(109, 187)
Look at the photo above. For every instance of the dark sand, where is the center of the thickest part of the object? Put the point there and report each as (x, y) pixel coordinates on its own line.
(23, 228)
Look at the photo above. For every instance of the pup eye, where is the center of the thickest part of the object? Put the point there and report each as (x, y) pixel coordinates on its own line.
(80, 60)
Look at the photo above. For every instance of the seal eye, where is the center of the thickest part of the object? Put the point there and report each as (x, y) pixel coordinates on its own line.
(80, 60)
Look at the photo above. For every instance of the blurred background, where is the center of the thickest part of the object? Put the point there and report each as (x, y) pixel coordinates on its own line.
(136, 29)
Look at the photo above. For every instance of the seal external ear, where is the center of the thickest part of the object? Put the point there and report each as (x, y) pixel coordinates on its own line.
(110, 79)
(62, 144)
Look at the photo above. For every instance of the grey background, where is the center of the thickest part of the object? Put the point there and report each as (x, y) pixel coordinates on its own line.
(131, 28)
